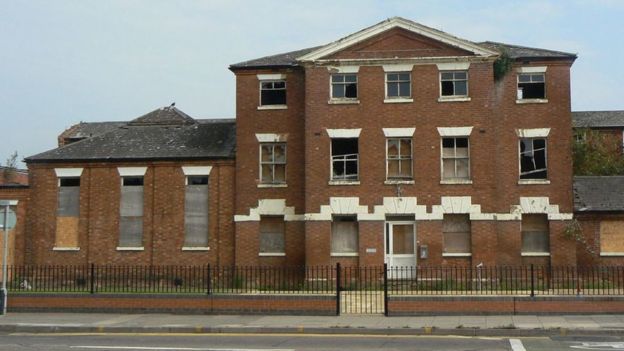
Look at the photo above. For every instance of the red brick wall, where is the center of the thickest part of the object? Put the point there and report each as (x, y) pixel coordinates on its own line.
(17, 251)
(588, 252)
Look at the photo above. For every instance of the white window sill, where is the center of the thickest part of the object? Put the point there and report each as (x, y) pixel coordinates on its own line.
(130, 248)
(453, 98)
(535, 254)
(612, 254)
(273, 107)
(276, 185)
(398, 182)
(56, 248)
(397, 100)
(456, 181)
(272, 254)
(344, 254)
(343, 101)
(343, 182)
(195, 248)
(532, 101)
(533, 181)
(456, 254)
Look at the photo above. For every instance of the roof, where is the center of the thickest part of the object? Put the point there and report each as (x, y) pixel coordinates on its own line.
(598, 119)
(595, 193)
(290, 59)
(89, 129)
(158, 135)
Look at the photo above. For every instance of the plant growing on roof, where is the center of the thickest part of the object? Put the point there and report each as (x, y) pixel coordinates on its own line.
(8, 173)
(502, 65)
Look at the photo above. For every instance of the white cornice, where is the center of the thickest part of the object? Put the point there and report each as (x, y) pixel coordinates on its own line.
(454, 131)
(344, 133)
(68, 172)
(533, 133)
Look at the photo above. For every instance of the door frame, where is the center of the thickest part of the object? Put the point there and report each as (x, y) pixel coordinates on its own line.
(388, 231)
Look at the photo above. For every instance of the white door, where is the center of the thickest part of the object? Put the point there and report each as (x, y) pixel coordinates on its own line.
(400, 245)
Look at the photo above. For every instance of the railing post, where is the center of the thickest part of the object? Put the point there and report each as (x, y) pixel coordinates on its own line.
(208, 282)
(338, 289)
(385, 283)
(532, 282)
(92, 280)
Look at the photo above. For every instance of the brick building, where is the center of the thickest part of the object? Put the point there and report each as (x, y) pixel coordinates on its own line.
(399, 143)
(608, 124)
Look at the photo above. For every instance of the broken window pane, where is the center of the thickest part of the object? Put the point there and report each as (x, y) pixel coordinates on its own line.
(272, 235)
(454, 83)
(456, 233)
(531, 86)
(455, 158)
(131, 212)
(196, 212)
(344, 234)
(344, 86)
(535, 233)
(273, 163)
(533, 158)
(399, 158)
(398, 85)
(345, 157)
(273, 93)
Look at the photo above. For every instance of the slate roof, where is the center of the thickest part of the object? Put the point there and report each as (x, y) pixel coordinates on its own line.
(287, 59)
(89, 129)
(524, 52)
(598, 119)
(158, 135)
(597, 194)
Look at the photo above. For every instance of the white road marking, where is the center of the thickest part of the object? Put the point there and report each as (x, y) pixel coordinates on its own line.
(93, 347)
(516, 345)
(600, 346)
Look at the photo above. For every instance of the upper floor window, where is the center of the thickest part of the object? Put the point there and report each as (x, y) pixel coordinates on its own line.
(398, 85)
(273, 92)
(399, 158)
(344, 86)
(345, 159)
(273, 163)
(455, 158)
(533, 158)
(531, 86)
(454, 83)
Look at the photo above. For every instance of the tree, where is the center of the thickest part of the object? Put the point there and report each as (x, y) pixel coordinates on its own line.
(8, 172)
(597, 153)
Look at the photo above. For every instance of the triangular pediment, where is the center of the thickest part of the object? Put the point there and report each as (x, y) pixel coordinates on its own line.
(397, 38)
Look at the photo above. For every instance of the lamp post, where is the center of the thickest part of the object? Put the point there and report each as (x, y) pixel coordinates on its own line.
(6, 226)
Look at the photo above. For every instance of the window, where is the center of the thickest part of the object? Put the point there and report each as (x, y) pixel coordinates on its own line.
(196, 211)
(531, 86)
(271, 235)
(345, 159)
(533, 158)
(273, 163)
(273, 92)
(535, 233)
(455, 158)
(454, 83)
(456, 234)
(67, 213)
(344, 86)
(399, 158)
(612, 238)
(398, 85)
(131, 212)
(344, 235)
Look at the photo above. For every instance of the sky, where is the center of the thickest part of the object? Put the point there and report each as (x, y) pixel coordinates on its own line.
(62, 61)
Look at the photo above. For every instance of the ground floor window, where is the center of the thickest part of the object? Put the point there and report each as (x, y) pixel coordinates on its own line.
(612, 237)
(456, 233)
(535, 233)
(272, 235)
(344, 236)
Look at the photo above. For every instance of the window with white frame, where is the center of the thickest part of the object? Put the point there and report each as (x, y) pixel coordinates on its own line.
(131, 212)
(533, 158)
(454, 83)
(456, 234)
(535, 233)
(196, 232)
(531, 86)
(273, 92)
(398, 85)
(345, 159)
(344, 238)
(399, 158)
(344, 86)
(272, 235)
(455, 158)
(273, 163)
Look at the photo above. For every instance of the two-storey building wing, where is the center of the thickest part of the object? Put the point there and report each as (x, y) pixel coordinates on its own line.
(406, 145)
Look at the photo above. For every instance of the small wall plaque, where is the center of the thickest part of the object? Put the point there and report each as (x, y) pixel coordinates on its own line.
(371, 250)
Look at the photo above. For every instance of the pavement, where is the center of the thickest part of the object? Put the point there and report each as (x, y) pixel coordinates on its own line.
(499, 325)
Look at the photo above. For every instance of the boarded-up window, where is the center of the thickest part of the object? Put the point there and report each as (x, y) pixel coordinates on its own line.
(273, 163)
(535, 233)
(131, 212)
(344, 235)
(399, 158)
(611, 236)
(456, 233)
(455, 158)
(196, 212)
(271, 234)
(67, 212)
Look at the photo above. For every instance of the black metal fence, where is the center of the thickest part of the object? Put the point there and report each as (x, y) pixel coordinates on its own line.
(369, 281)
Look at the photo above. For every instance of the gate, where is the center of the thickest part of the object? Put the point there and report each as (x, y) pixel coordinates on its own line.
(361, 290)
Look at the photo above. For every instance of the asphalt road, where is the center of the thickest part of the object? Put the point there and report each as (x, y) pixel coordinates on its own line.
(256, 342)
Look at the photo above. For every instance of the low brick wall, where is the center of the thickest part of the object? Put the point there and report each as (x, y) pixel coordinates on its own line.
(483, 305)
(187, 304)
